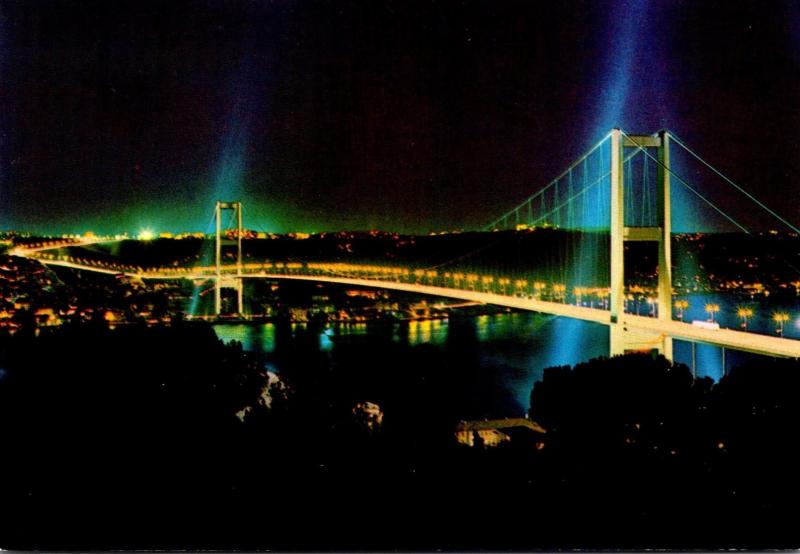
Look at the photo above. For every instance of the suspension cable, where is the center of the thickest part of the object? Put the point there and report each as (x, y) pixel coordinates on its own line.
(581, 192)
(550, 184)
(734, 185)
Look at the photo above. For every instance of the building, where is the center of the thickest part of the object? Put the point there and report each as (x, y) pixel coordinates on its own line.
(494, 432)
(368, 414)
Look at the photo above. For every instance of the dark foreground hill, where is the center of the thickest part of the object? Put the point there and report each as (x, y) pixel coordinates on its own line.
(130, 439)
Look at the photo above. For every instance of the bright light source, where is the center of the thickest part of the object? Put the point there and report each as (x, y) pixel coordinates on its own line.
(146, 234)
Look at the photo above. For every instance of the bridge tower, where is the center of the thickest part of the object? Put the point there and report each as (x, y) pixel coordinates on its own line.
(622, 338)
(224, 279)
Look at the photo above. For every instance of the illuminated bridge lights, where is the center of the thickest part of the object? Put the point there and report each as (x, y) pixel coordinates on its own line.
(780, 318)
(711, 309)
(744, 313)
(681, 306)
(584, 296)
(504, 282)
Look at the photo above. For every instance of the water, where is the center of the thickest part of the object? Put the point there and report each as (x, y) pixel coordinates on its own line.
(509, 350)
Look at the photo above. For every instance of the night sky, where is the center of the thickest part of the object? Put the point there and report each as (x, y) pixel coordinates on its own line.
(408, 116)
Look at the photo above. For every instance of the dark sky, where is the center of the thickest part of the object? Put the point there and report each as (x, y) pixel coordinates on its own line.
(404, 115)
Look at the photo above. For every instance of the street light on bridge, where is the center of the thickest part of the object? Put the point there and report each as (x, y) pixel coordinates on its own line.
(744, 313)
(503, 282)
(681, 305)
(780, 318)
(431, 275)
(712, 309)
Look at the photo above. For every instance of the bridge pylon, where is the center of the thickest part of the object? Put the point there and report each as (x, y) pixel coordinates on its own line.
(624, 339)
(224, 278)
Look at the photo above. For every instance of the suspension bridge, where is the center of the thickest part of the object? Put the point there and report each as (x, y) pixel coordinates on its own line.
(619, 192)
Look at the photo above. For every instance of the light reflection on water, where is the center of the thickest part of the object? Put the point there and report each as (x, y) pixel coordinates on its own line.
(426, 331)
(511, 350)
(254, 338)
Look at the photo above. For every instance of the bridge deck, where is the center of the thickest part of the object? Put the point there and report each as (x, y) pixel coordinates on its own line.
(727, 338)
